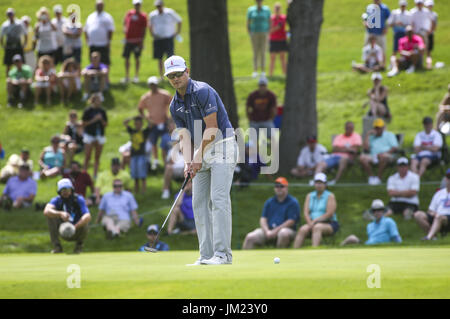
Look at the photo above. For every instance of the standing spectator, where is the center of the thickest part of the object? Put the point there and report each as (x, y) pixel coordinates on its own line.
(95, 121)
(98, 31)
(182, 219)
(381, 145)
(434, 17)
(427, 147)
(134, 27)
(320, 213)
(14, 162)
(69, 79)
(411, 49)
(310, 157)
(422, 22)
(28, 48)
(67, 207)
(20, 78)
(45, 79)
(104, 182)
(72, 38)
(399, 19)
(95, 76)
(115, 209)
(45, 35)
(437, 219)
(152, 233)
(278, 39)
(345, 149)
(372, 56)
(52, 159)
(20, 190)
(382, 230)
(262, 108)
(12, 30)
(258, 27)
(164, 26)
(377, 24)
(403, 188)
(59, 21)
(156, 104)
(279, 219)
(378, 95)
(81, 180)
(138, 162)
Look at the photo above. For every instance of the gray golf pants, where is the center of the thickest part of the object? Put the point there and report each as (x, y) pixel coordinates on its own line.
(211, 199)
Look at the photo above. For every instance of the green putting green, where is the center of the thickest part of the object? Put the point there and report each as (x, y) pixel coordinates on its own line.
(308, 273)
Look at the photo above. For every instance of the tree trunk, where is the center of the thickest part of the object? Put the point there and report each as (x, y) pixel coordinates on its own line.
(299, 114)
(210, 50)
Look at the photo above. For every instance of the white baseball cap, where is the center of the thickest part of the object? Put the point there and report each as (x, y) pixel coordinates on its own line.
(429, 3)
(402, 161)
(376, 76)
(137, 1)
(321, 177)
(158, 3)
(174, 64)
(418, 1)
(58, 8)
(377, 204)
(64, 183)
(26, 18)
(153, 80)
(402, 3)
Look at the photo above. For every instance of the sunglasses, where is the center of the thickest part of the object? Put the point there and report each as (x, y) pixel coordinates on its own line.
(174, 75)
(279, 186)
(117, 185)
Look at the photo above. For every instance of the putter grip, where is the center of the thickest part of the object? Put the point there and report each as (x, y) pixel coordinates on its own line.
(186, 180)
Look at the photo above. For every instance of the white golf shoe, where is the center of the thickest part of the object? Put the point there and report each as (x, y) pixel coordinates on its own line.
(217, 260)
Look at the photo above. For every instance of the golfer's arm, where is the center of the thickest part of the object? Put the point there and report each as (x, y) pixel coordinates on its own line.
(85, 219)
(186, 146)
(50, 211)
(208, 136)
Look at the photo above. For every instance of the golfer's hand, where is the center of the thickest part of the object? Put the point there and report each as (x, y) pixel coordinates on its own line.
(194, 168)
(64, 216)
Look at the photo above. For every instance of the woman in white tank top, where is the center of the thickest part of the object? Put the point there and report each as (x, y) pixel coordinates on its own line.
(45, 33)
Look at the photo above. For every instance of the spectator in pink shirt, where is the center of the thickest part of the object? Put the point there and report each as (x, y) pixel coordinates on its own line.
(278, 37)
(345, 148)
(411, 48)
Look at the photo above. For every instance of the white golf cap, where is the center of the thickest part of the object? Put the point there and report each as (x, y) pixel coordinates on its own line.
(174, 64)
(153, 80)
(321, 177)
(64, 183)
(376, 76)
(17, 57)
(158, 3)
(58, 8)
(403, 3)
(10, 10)
(402, 161)
(418, 1)
(377, 204)
(137, 1)
(429, 3)
(152, 228)
(26, 18)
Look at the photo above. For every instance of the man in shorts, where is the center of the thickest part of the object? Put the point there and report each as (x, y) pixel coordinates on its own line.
(10, 38)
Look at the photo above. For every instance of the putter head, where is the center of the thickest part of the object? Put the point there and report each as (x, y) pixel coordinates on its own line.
(150, 249)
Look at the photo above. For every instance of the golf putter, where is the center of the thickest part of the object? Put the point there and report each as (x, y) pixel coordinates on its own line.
(153, 249)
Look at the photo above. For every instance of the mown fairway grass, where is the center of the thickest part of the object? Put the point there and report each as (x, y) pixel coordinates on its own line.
(330, 273)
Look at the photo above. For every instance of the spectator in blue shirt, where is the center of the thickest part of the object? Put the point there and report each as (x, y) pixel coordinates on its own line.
(152, 232)
(20, 190)
(381, 230)
(279, 219)
(67, 207)
(376, 24)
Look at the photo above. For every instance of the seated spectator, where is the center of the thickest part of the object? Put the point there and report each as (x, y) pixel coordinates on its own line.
(345, 149)
(403, 188)
(443, 114)
(278, 221)
(427, 148)
(138, 161)
(174, 169)
(320, 214)
(181, 220)
(69, 79)
(67, 207)
(94, 121)
(45, 80)
(382, 230)
(262, 108)
(381, 146)
(437, 219)
(104, 182)
(372, 56)
(20, 190)
(310, 156)
(73, 135)
(116, 210)
(14, 162)
(52, 159)
(81, 180)
(19, 80)
(378, 95)
(251, 167)
(152, 233)
(95, 76)
(411, 49)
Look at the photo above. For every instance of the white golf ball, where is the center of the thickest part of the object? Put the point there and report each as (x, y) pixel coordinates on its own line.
(276, 260)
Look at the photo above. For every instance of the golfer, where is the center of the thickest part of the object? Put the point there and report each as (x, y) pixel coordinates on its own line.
(210, 159)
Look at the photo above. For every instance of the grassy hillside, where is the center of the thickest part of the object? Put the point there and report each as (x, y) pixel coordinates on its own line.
(341, 93)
